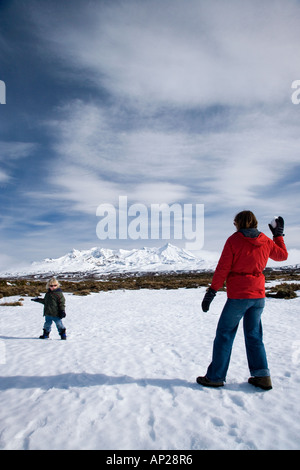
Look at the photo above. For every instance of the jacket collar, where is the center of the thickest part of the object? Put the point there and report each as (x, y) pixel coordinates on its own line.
(250, 232)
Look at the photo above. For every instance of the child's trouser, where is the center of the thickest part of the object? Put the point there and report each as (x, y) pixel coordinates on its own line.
(48, 322)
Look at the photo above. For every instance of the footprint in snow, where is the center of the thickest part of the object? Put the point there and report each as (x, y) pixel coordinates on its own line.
(217, 421)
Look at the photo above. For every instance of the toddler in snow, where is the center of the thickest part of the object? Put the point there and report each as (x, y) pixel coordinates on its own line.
(54, 308)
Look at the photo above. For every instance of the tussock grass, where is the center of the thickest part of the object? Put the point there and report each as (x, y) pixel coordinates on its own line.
(11, 304)
(283, 291)
(84, 285)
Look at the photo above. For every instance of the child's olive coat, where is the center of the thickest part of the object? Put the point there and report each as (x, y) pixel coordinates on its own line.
(54, 303)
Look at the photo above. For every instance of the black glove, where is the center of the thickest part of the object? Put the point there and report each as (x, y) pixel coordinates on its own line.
(278, 230)
(35, 299)
(208, 298)
(61, 314)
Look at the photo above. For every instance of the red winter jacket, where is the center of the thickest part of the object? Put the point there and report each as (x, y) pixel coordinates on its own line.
(242, 262)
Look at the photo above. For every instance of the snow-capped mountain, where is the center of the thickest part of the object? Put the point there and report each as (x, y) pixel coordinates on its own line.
(102, 261)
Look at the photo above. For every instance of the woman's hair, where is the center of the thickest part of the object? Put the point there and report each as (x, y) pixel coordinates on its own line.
(245, 219)
(53, 280)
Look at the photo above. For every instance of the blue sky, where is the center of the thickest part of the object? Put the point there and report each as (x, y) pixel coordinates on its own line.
(164, 101)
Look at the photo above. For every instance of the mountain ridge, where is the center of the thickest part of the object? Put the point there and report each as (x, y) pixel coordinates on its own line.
(99, 260)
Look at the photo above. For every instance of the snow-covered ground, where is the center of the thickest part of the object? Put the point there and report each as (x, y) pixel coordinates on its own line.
(125, 377)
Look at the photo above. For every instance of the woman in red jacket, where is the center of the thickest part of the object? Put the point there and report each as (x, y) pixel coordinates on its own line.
(241, 265)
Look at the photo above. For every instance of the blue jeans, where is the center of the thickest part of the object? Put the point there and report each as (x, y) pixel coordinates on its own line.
(233, 311)
(57, 321)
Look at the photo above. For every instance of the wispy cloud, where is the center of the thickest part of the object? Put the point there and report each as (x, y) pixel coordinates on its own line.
(99, 162)
(10, 153)
(184, 54)
(177, 101)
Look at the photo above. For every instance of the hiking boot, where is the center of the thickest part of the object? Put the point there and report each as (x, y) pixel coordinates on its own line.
(45, 335)
(262, 382)
(208, 383)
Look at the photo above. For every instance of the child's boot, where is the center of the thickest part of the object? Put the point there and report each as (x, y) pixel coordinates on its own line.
(63, 334)
(45, 334)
